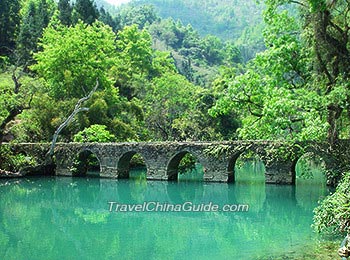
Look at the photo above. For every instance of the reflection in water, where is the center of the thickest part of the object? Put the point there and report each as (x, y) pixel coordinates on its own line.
(192, 174)
(250, 183)
(69, 218)
(310, 173)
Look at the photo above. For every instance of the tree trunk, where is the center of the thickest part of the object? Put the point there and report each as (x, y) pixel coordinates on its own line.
(77, 109)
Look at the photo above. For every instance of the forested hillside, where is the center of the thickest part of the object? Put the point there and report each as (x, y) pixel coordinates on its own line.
(227, 19)
(239, 22)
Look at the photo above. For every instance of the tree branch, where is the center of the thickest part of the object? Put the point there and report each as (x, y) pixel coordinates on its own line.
(77, 109)
(298, 3)
(13, 110)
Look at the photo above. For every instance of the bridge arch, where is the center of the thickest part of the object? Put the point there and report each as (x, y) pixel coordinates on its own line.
(172, 168)
(86, 162)
(309, 165)
(243, 159)
(123, 165)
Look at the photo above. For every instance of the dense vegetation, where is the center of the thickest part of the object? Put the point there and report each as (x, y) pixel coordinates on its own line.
(161, 79)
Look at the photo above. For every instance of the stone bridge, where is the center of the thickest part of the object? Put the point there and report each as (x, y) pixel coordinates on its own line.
(218, 159)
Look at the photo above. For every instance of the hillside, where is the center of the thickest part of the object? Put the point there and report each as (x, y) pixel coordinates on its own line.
(227, 19)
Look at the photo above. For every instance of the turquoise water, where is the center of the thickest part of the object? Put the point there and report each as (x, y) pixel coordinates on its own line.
(70, 218)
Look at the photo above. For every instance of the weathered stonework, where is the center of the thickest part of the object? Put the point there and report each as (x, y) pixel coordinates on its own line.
(162, 158)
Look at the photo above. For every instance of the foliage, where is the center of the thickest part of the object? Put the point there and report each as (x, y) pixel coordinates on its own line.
(10, 161)
(137, 161)
(84, 162)
(94, 133)
(273, 95)
(74, 57)
(187, 163)
(138, 15)
(36, 17)
(333, 213)
(9, 21)
(283, 93)
(134, 60)
(107, 19)
(16, 90)
(176, 99)
(65, 12)
(86, 11)
(220, 18)
(195, 57)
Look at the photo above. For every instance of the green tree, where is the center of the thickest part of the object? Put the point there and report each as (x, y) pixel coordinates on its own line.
(140, 15)
(326, 36)
(9, 25)
(94, 133)
(85, 10)
(106, 18)
(43, 16)
(71, 61)
(27, 39)
(134, 61)
(65, 8)
(169, 100)
(73, 58)
(17, 90)
(274, 96)
(213, 50)
(35, 18)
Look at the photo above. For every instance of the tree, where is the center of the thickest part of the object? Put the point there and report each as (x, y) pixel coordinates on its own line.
(16, 92)
(36, 17)
(69, 119)
(86, 11)
(140, 15)
(43, 16)
(213, 49)
(281, 94)
(65, 9)
(326, 35)
(73, 58)
(9, 25)
(94, 133)
(134, 60)
(169, 100)
(107, 19)
(27, 39)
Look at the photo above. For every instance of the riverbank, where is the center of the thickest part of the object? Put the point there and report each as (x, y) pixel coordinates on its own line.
(8, 174)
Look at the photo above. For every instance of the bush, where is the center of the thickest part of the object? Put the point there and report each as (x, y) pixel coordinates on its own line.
(94, 133)
(10, 161)
(333, 213)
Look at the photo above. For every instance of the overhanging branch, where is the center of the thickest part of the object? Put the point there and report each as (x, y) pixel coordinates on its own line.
(77, 109)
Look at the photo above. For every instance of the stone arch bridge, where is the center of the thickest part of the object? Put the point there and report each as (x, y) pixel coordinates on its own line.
(217, 158)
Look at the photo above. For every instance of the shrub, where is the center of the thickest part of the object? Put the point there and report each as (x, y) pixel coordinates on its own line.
(94, 133)
(333, 213)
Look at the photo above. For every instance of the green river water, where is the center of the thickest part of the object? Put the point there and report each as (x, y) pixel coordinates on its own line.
(70, 218)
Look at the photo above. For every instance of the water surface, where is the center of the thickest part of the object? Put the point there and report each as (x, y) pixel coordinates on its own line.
(69, 218)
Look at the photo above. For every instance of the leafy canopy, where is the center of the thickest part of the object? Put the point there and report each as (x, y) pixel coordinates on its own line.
(94, 133)
(73, 58)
